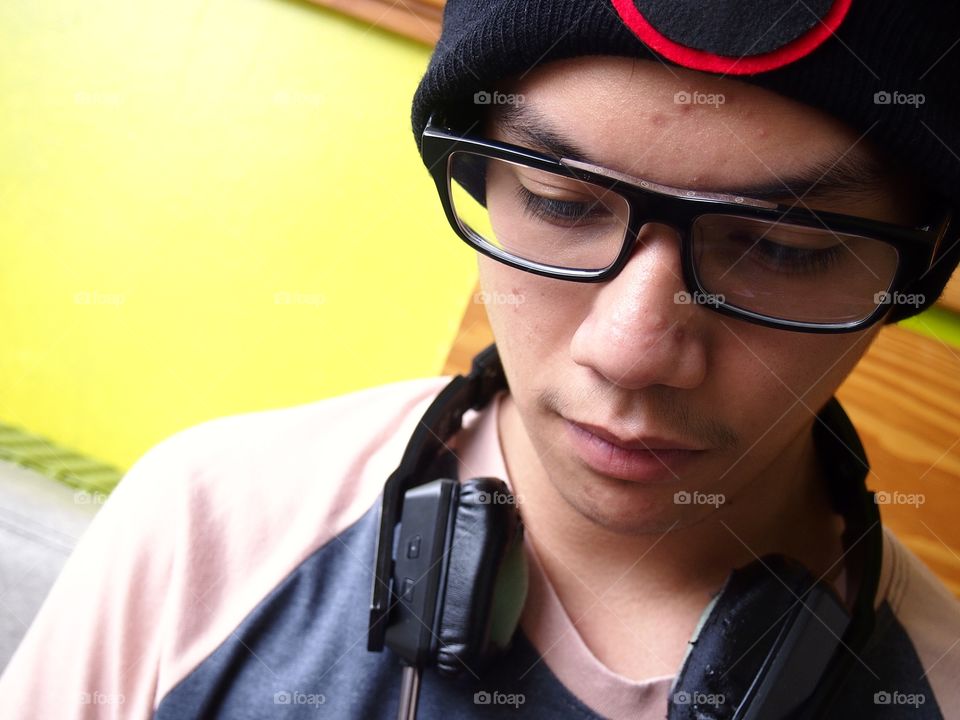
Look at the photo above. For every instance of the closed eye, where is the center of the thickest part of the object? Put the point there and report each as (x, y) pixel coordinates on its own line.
(562, 212)
(787, 258)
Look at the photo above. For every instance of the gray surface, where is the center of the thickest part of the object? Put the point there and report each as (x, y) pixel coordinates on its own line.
(40, 522)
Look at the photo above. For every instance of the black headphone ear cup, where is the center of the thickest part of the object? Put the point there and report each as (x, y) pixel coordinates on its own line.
(735, 635)
(486, 577)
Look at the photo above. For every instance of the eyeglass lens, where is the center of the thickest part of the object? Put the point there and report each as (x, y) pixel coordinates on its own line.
(775, 269)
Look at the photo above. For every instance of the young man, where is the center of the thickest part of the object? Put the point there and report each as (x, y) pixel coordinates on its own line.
(700, 213)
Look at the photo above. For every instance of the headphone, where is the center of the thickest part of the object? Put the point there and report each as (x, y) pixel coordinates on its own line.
(450, 581)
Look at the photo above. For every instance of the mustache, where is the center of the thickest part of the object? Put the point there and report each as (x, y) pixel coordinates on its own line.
(672, 417)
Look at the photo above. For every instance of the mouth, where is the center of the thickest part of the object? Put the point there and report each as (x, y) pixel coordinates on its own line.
(644, 459)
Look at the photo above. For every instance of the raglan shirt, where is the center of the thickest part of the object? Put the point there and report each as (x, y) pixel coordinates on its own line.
(229, 576)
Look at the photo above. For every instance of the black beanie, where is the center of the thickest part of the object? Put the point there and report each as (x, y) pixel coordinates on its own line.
(890, 67)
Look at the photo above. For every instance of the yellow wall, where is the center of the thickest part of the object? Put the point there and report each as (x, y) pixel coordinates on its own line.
(208, 208)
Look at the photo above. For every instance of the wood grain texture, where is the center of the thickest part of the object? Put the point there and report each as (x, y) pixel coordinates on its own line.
(474, 335)
(416, 19)
(904, 398)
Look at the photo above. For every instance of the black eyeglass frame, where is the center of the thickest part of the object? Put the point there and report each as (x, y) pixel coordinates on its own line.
(916, 247)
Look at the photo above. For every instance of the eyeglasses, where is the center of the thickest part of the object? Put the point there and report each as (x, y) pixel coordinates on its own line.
(774, 265)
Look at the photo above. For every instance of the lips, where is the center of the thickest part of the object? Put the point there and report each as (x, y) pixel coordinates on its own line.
(645, 459)
(646, 442)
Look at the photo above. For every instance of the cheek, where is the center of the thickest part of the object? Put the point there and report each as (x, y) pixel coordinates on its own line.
(784, 378)
(532, 317)
(817, 364)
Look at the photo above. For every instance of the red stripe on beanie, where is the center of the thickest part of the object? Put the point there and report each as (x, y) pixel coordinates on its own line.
(711, 62)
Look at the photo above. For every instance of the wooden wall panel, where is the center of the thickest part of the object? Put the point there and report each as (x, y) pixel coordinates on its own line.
(417, 19)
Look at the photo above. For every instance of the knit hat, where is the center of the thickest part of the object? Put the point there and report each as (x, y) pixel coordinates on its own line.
(887, 68)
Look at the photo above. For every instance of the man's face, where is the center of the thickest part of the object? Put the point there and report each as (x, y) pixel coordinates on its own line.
(723, 405)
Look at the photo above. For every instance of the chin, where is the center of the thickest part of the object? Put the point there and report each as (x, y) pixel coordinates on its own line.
(626, 508)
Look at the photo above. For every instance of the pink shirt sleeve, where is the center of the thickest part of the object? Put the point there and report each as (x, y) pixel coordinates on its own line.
(200, 530)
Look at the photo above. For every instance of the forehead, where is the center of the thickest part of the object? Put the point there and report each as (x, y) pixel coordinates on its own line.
(680, 127)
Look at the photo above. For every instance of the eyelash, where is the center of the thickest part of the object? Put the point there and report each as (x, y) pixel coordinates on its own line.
(793, 260)
(782, 258)
(543, 208)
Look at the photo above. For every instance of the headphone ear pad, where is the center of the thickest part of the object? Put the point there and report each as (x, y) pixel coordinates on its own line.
(735, 634)
(486, 580)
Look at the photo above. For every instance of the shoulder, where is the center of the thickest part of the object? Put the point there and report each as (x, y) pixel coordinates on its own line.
(929, 615)
(261, 491)
(203, 527)
(281, 457)
(241, 502)
(314, 468)
(363, 418)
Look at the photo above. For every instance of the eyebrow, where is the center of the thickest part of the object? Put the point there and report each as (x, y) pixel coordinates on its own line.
(843, 175)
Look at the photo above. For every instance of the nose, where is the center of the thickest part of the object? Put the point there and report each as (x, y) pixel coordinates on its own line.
(639, 331)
